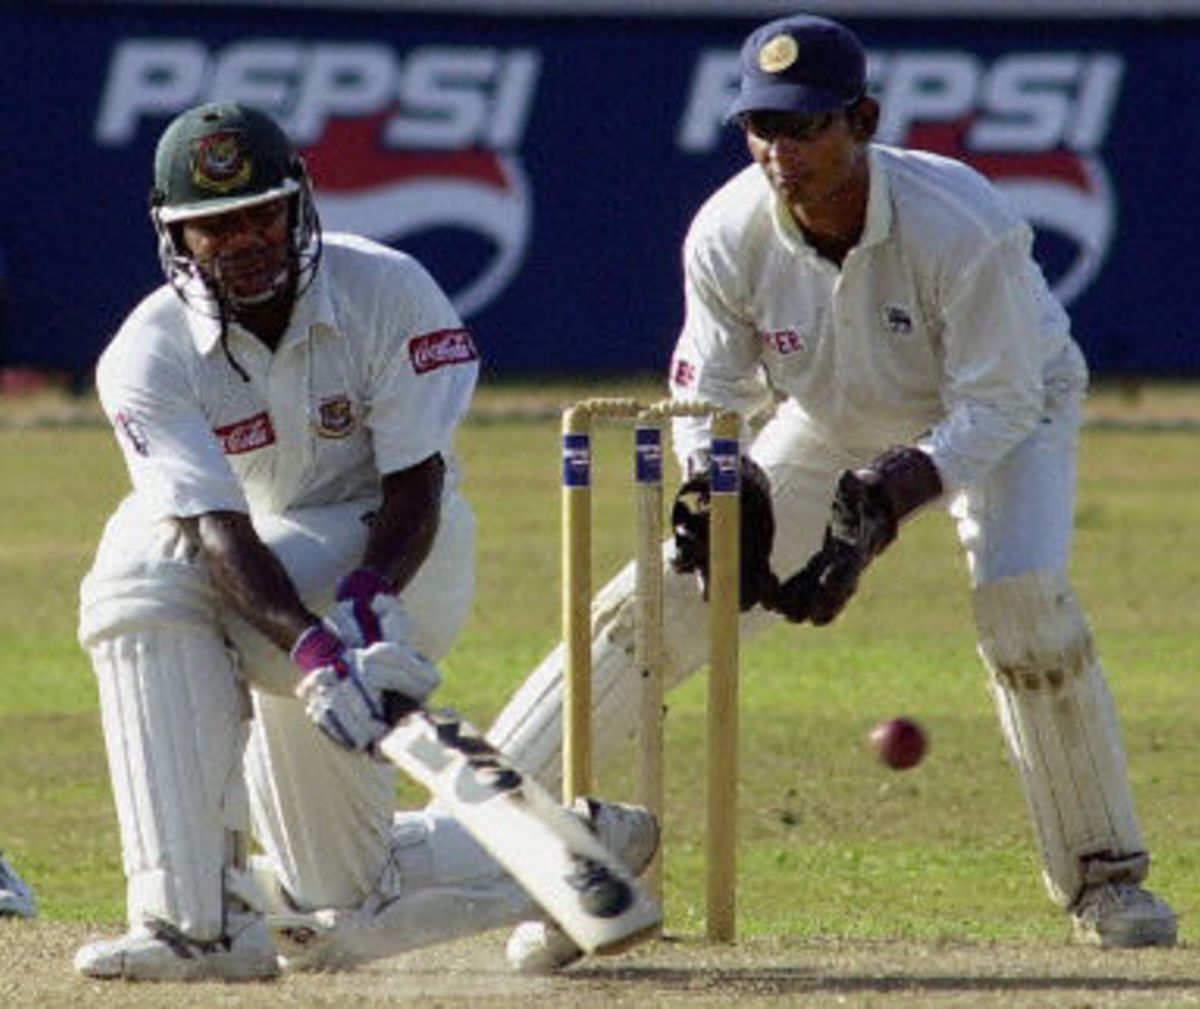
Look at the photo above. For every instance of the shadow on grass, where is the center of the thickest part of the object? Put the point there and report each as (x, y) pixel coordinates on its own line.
(760, 981)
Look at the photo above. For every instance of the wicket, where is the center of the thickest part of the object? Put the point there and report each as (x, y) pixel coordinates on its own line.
(723, 614)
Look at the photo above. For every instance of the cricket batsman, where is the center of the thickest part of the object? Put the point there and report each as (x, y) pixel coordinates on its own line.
(293, 558)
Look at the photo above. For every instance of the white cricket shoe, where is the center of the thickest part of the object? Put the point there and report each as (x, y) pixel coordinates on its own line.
(16, 899)
(540, 947)
(1122, 916)
(629, 832)
(161, 953)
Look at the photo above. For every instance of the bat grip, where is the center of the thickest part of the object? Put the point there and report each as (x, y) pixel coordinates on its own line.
(397, 706)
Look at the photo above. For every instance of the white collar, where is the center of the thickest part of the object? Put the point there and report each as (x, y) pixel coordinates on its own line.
(312, 308)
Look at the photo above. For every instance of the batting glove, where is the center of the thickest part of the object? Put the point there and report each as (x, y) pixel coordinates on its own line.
(356, 695)
(358, 591)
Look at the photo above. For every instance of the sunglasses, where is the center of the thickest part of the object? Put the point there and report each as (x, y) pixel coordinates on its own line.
(771, 125)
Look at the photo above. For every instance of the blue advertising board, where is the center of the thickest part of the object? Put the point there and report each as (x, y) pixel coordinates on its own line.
(545, 168)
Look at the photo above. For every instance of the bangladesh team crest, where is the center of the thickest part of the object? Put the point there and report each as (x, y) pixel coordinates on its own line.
(335, 417)
(221, 162)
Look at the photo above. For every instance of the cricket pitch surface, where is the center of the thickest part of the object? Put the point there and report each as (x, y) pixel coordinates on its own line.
(35, 970)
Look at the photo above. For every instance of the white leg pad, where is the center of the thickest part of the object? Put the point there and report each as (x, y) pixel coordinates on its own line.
(145, 576)
(529, 729)
(174, 716)
(1061, 727)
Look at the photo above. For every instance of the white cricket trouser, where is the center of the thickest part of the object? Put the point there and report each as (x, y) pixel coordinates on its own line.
(1000, 540)
(1015, 525)
(174, 668)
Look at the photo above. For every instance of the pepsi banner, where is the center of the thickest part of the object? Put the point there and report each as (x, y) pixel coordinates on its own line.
(545, 168)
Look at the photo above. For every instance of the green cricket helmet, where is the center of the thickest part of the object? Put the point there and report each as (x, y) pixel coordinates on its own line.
(219, 158)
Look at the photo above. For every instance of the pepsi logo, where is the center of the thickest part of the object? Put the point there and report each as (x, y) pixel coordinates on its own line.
(1033, 123)
(394, 195)
(1064, 195)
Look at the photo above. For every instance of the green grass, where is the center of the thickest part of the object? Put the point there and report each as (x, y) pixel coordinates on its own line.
(832, 844)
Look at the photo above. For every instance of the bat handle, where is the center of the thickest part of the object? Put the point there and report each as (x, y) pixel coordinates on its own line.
(397, 706)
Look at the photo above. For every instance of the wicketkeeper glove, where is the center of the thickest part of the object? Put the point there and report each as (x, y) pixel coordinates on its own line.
(868, 507)
(356, 695)
(690, 523)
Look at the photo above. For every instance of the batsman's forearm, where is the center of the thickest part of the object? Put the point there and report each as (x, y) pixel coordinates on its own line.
(400, 558)
(250, 578)
(402, 531)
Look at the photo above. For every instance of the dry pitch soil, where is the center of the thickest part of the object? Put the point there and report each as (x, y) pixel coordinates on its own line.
(35, 970)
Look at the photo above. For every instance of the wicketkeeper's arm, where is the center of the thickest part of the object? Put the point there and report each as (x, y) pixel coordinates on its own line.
(868, 507)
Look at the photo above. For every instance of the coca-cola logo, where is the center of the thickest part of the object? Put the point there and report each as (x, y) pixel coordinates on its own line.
(246, 435)
(444, 347)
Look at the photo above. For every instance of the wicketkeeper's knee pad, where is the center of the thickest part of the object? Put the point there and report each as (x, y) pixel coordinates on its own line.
(1061, 727)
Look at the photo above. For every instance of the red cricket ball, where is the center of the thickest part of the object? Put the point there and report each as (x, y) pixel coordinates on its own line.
(899, 742)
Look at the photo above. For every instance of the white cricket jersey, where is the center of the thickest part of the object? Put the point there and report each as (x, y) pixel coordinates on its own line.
(373, 375)
(938, 327)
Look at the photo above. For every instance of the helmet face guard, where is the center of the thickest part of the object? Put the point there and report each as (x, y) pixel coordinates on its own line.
(219, 158)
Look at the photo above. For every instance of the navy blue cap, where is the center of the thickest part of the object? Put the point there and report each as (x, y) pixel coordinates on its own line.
(800, 64)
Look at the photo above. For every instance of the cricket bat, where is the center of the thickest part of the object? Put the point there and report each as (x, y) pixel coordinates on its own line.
(548, 850)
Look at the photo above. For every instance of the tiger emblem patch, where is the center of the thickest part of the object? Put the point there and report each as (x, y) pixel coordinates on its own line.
(335, 417)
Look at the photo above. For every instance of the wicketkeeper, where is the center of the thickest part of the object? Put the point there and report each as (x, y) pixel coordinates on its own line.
(295, 555)
(885, 304)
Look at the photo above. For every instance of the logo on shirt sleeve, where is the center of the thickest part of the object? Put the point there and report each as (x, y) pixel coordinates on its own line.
(683, 373)
(897, 319)
(246, 435)
(130, 428)
(784, 341)
(441, 348)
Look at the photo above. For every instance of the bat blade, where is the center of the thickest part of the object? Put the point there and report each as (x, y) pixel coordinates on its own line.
(560, 863)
